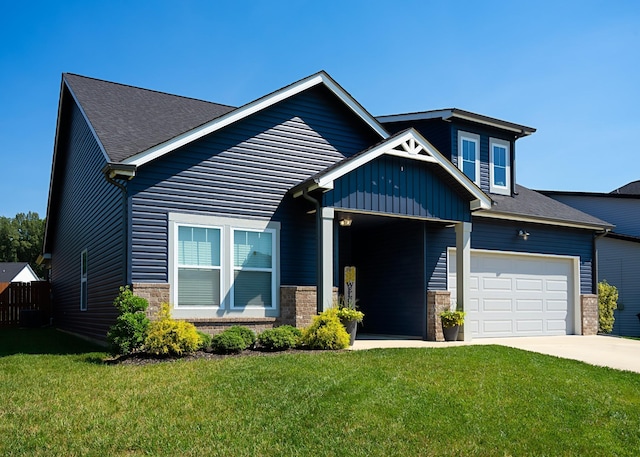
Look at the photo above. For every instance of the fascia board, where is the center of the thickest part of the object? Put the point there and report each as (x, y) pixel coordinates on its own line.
(535, 220)
(252, 108)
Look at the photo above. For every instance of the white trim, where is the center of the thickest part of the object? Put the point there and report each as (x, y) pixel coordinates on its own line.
(494, 188)
(253, 107)
(575, 276)
(226, 225)
(84, 273)
(536, 220)
(472, 137)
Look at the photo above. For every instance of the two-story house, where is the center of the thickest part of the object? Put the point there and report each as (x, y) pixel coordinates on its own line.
(249, 215)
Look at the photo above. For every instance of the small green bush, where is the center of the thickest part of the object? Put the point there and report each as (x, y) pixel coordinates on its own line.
(228, 342)
(128, 334)
(279, 338)
(205, 340)
(167, 336)
(326, 332)
(248, 335)
(452, 318)
(607, 303)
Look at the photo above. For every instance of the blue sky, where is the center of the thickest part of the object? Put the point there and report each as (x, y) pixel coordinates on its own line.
(570, 69)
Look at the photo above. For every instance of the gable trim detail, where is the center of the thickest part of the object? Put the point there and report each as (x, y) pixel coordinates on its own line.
(254, 107)
(408, 144)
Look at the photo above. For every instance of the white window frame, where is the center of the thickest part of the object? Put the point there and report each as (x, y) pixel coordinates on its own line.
(472, 137)
(202, 267)
(84, 289)
(227, 225)
(266, 270)
(493, 188)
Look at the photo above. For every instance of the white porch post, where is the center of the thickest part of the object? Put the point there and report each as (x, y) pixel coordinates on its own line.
(325, 288)
(463, 271)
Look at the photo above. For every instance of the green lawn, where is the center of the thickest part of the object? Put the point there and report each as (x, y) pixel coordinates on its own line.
(472, 400)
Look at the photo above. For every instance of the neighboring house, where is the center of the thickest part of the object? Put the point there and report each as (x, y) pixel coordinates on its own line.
(235, 215)
(618, 253)
(17, 272)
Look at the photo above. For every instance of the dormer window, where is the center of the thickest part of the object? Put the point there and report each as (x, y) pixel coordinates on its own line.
(499, 167)
(469, 155)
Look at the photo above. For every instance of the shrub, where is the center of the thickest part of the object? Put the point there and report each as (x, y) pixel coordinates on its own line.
(128, 334)
(248, 335)
(326, 332)
(205, 340)
(167, 336)
(607, 303)
(280, 338)
(228, 342)
(452, 318)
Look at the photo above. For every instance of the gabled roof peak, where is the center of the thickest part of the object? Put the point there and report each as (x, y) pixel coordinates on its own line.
(456, 113)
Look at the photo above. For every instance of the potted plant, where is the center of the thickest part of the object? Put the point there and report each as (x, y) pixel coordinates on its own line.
(451, 322)
(349, 316)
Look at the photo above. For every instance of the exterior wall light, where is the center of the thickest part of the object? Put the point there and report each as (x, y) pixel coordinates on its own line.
(524, 234)
(345, 222)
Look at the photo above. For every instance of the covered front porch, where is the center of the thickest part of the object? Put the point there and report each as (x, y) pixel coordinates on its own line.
(391, 211)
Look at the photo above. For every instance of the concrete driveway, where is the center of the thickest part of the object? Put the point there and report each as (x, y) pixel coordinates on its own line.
(606, 351)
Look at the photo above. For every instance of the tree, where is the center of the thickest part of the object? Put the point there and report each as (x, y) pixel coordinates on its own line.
(21, 239)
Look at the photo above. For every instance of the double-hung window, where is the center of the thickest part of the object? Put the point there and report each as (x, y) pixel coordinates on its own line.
(499, 166)
(222, 266)
(83, 280)
(469, 155)
(198, 266)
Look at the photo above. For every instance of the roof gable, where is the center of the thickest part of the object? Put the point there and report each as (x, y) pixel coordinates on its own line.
(408, 144)
(254, 107)
(9, 270)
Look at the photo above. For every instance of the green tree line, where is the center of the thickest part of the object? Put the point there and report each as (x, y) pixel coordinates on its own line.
(21, 239)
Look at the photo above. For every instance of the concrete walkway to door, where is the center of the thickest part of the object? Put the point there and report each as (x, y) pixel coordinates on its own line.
(606, 351)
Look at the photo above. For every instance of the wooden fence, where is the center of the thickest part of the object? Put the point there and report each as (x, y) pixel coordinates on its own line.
(25, 304)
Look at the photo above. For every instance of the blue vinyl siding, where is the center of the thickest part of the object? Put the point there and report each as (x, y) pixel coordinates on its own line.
(436, 131)
(398, 186)
(245, 170)
(85, 215)
(502, 236)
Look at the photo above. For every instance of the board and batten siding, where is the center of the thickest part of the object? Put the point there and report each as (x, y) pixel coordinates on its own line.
(245, 170)
(502, 236)
(88, 215)
(398, 186)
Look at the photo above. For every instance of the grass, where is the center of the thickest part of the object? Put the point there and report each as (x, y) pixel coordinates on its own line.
(471, 400)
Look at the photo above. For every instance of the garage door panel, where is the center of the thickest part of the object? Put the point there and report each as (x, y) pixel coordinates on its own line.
(497, 305)
(524, 305)
(503, 284)
(530, 326)
(535, 285)
(518, 294)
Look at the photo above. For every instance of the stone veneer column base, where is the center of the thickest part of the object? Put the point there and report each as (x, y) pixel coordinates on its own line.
(154, 293)
(297, 305)
(589, 314)
(437, 301)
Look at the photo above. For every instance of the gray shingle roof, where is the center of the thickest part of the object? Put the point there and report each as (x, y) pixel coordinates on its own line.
(529, 203)
(129, 120)
(9, 270)
(633, 188)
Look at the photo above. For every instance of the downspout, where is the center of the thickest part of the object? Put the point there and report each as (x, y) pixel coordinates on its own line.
(126, 173)
(594, 280)
(316, 203)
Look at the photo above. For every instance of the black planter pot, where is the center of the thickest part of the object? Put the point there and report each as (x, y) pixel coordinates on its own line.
(352, 328)
(451, 333)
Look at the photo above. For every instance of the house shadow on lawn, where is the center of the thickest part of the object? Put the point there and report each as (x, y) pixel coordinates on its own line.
(44, 341)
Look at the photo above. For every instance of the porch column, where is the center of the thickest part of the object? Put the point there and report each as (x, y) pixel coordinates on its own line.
(325, 288)
(463, 271)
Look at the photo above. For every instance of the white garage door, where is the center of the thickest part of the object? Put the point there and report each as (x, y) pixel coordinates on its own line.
(517, 294)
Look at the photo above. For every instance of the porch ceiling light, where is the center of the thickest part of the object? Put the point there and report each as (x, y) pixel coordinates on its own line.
(345, 222)
(523, 234)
